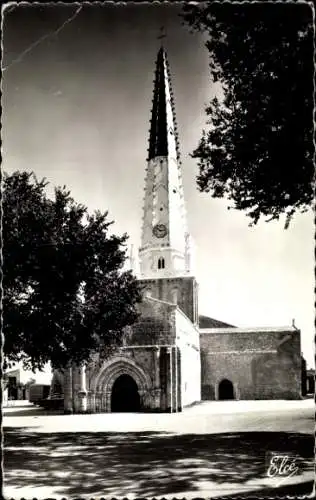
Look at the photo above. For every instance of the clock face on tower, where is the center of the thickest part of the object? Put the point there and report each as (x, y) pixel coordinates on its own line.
(159, 230)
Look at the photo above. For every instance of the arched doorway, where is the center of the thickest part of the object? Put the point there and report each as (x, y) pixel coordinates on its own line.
(226, 390)
(125, 396)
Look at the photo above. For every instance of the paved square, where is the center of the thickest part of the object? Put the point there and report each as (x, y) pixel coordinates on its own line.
(209, 450)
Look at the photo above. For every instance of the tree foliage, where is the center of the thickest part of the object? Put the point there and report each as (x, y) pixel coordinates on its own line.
(65, 291)
(258, 149)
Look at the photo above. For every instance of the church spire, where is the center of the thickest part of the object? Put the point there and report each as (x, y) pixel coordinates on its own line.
(161, 142)
(158, 138)
(164, 247)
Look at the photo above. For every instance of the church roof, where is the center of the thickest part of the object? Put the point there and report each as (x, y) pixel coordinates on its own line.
(206, 322)
(160, 118)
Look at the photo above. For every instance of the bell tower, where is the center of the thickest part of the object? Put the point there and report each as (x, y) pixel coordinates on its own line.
(165, 241)
(165, 256)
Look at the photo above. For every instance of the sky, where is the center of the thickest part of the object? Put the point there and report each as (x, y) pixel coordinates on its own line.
(77, 89)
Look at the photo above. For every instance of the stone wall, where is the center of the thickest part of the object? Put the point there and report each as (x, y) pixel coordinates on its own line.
(261, 363)
(181, 291)
(156, 325)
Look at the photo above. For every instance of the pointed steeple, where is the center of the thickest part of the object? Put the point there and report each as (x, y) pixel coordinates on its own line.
(163, 138)
(158, 138)
(165, 248)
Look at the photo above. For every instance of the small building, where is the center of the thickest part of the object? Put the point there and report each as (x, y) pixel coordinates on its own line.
(17, 381)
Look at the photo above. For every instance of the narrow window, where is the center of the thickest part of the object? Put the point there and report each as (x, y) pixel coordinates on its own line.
(161, 263)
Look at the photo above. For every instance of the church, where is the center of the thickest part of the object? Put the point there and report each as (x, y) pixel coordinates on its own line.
(173, 357)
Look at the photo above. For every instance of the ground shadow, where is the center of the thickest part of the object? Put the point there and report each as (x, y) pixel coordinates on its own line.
(143, 463)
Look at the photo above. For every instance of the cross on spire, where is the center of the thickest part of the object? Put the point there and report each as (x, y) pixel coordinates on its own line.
(162, 34)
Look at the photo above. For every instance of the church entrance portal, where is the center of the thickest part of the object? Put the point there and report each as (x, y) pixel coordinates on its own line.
(125, 395)
(226, 390)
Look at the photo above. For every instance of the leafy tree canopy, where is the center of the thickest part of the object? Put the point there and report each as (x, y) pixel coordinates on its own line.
(65, 291)
(258, 149)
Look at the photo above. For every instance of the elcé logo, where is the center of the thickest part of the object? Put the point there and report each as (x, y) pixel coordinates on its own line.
(282, 466)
